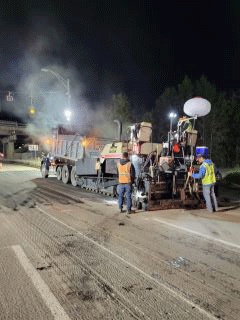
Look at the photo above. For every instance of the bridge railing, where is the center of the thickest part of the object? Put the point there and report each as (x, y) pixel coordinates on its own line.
(12, 124)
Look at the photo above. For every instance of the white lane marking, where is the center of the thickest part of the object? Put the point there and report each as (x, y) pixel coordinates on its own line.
(47, 296)
(198, 234)
(110, 201)
(133, 266)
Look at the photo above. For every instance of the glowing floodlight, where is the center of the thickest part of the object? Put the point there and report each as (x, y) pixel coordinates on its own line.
(172, 115)
(197, 107)
(48, 141)
(85, 142)
(68, 114)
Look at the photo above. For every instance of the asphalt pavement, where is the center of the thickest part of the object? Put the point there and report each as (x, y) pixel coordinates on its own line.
(78, 259)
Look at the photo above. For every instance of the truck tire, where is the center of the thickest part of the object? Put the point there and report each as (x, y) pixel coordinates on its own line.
(65, 174)
(44, 170)
(59, 173)
(73, 176)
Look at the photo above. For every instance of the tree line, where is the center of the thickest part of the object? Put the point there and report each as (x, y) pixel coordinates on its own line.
(219, 130)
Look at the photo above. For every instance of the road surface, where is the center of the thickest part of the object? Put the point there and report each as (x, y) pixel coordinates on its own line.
(69, 254)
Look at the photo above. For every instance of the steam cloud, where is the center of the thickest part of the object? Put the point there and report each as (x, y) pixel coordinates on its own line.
(45, 46)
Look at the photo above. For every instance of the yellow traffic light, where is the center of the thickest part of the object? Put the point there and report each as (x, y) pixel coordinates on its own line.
(32, 110)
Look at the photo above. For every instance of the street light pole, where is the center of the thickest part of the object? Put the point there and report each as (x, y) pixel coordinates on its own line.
(172, 115)
(65, 83)
(68, 93)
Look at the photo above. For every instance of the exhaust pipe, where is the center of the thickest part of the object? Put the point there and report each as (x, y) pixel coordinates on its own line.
(119, 123)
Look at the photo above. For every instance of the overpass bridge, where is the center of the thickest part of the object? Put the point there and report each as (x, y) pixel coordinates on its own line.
(8, 128)
(8, 134)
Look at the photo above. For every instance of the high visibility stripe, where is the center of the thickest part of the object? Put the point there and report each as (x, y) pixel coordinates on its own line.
(209, 177)
(112, 156)
(189, 128)
(124, 171)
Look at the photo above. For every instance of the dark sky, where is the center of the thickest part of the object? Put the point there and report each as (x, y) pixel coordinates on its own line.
(137, 47)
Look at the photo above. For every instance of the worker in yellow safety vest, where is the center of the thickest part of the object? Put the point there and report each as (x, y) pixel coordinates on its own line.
(206, 173)
(126, 175)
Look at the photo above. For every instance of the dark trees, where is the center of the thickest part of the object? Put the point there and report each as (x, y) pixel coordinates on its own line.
(219, 130)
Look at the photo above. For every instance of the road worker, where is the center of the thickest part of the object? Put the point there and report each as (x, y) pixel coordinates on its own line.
(1, 159)
(185, 124)
(98, 166)
(206, 173)
(126, 177)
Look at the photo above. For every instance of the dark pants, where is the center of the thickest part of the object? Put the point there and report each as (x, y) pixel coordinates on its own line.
(122, 188)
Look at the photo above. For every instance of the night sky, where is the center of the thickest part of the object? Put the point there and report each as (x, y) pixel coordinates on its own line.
(137, 47)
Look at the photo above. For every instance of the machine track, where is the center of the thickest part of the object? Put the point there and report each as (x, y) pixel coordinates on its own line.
(52, 186)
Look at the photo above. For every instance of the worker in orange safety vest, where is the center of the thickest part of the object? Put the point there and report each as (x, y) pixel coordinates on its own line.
(126, 175)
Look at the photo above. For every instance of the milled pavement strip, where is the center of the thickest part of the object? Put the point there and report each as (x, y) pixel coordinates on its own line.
(133, 266)
(199, 234)
(47, 296)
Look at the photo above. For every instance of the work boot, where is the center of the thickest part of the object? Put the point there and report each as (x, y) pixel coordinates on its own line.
(130, 211)
(121, 210)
